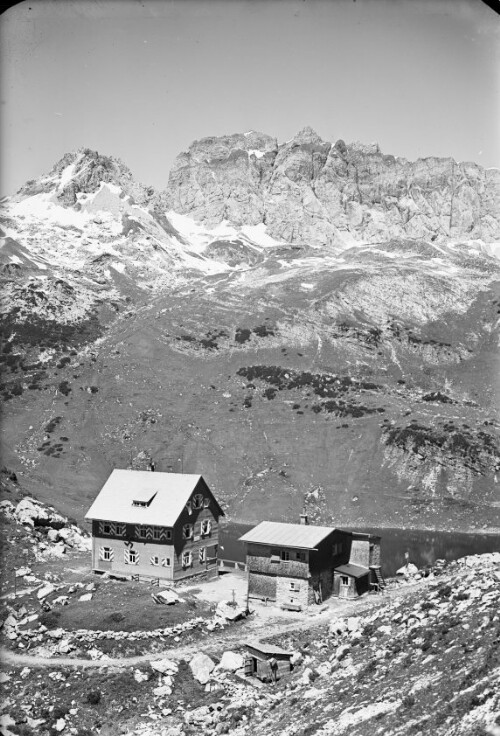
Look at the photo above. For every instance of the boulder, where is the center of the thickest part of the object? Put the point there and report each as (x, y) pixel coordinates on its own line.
(164, 665)
(45, 591)
(231, 661)
(226, 610)
(296, 659)
(168, 596)
(201, 666)
(353, 623)
(407, 570)
(85, 597)
(337, 627)
(162, 690)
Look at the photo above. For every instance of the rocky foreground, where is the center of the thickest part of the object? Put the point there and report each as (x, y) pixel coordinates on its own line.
(428, 662)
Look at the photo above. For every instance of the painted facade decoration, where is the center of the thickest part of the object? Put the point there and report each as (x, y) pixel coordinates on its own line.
(155, 525)
(296, 565)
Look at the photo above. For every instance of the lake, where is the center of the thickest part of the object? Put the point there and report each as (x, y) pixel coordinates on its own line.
(424, 547)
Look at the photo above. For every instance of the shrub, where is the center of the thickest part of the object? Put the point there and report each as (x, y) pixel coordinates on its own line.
(60, 711)
(445, 591)
(17, 389)
(94, 697)
(408, 701)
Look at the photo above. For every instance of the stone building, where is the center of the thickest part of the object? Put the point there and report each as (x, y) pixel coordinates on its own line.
(155, 525)
(296, 565)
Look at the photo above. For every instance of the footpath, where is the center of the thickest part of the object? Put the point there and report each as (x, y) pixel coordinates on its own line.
(252, 628)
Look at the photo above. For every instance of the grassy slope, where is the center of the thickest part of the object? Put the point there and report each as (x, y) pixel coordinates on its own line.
(161, 389)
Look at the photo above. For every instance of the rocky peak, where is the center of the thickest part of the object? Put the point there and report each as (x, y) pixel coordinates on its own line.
(307, 190)
(84, 171)
(309, 136)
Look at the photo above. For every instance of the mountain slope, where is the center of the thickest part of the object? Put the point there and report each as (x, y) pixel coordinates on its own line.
(359, 377)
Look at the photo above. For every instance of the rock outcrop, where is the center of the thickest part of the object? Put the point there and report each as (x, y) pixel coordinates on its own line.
(308, 190)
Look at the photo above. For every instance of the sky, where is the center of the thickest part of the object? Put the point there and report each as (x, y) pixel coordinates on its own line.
(142, 79)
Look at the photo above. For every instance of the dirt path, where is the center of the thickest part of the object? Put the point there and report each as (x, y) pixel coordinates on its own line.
(216, 642)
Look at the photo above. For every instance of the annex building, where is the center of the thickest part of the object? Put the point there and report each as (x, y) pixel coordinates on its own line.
(155, 525)
(296, 565)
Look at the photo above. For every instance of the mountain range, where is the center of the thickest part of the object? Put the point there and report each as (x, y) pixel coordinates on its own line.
(303, 323)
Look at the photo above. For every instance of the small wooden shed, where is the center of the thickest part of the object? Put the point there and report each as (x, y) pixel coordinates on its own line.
(268, 662)
(350, 581)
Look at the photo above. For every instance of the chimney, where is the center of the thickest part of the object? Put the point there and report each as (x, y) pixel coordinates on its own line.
(304, 519)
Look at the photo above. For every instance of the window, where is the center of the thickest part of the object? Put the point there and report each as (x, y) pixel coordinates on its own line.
(131, 557)
(344, 580)
(203, 554)
(301, 556)
(106, 554)
(285, 555)
(166, 562)
(187, 559)
(109, 528)
(189, 509)
(159, 532)
(206, 526)
(294, 586)
(154, 560)
(198, 501)
(187, 531)
(337, 548)
(143, 504)
(206, 503)
(144, 532)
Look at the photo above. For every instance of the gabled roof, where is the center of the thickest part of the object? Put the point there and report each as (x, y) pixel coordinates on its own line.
(354, 571)
(266, 648)
(301, 536)
(159, 497)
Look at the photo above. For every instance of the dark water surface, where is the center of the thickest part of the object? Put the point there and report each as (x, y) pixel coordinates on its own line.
(424, 547)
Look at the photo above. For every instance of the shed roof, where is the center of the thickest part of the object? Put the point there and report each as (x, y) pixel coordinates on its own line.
(162, 497)
(264, 648)
(354, 571)
(301, 536)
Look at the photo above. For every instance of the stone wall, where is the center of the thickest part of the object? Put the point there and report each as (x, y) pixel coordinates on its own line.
(285, 594)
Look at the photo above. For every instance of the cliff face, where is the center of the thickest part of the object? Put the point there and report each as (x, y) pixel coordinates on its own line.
(308, 190)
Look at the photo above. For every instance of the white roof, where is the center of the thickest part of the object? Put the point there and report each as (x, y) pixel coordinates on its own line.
(165, 494)
(302, 536)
